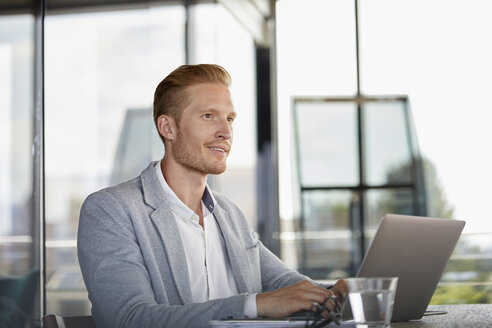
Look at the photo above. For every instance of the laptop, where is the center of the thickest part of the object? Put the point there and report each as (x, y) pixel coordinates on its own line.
(416, 250)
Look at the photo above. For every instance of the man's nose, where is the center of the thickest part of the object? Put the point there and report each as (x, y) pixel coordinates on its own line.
(224, 130)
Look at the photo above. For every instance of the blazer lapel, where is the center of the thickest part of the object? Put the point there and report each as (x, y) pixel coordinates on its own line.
(235, 251)
(163, 219)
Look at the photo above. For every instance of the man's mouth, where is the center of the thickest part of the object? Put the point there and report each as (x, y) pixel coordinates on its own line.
(216, 149)
(221, 149)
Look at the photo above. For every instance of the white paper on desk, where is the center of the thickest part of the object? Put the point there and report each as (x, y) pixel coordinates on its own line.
(267, 323)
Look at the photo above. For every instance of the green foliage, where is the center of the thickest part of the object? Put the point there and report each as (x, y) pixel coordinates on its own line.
(462, 295)
(437, 203)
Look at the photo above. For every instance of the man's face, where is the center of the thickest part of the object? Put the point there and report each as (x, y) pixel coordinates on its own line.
(204, 136)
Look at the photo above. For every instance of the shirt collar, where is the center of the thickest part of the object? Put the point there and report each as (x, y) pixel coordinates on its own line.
(180, 208)
(208, 199)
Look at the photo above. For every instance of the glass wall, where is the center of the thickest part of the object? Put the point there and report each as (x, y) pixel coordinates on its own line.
(19, 239)
(101, 72)
(328, 151)
(315, 56)
(101, 68)
(443, 67)
(360, 148)
(219, 38)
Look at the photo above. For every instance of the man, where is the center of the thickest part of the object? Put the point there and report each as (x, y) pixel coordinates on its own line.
(163, 250)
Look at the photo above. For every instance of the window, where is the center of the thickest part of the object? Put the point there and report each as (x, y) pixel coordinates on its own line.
(360, 148)
(19, 236)
(101, 72)
(219, 38)
(304, 70)
(443, 69)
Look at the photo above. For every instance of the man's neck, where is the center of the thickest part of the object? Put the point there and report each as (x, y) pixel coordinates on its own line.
(188, 185)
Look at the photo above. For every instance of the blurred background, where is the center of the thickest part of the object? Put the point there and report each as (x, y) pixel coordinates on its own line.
(347, 110)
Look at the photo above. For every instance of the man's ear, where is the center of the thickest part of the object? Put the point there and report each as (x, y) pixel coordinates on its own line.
(166, 127)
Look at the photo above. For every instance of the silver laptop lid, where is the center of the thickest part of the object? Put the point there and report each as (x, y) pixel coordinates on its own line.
(416, 250)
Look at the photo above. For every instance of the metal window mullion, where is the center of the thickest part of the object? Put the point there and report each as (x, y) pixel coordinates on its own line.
(361, 199)
(359, 187)
(38, 217)
(302, 226)
(419, 207)
(189, 31)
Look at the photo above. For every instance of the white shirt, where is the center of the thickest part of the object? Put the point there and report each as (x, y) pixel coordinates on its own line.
(209, 267)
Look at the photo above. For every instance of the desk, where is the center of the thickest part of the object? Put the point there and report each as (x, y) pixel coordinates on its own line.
(462, 316)
(458, 316)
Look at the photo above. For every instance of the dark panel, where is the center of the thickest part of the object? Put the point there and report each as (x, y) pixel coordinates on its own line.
(263, 99)
(267, 180)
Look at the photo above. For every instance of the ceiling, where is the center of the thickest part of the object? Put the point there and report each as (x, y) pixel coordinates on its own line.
(254, 15)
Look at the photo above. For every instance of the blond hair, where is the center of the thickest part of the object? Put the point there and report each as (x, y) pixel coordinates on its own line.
(170, 97)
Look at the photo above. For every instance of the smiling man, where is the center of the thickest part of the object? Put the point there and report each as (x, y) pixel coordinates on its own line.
(163, 249)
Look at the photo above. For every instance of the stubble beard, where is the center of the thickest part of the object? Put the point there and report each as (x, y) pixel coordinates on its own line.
(193, 160)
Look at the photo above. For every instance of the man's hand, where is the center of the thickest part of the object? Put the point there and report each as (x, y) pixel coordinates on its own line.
(341, 291)
(301, 296)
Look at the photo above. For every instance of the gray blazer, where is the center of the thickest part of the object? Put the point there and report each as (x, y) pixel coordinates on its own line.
(134, 266)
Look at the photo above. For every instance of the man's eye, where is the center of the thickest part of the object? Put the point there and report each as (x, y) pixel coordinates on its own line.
(207, 115)
(230, 119)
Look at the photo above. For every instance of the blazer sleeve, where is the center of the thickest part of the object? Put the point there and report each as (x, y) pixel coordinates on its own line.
(118, 282)
(276, 274)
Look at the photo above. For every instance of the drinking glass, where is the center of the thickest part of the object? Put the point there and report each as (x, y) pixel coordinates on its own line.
(371, 300)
